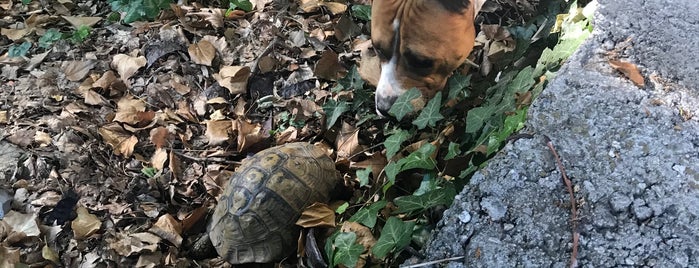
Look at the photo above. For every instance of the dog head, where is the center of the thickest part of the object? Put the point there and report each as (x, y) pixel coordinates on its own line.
(420, 43)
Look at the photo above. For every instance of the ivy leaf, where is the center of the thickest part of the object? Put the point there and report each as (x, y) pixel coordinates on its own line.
(19, 50)
(396, 234)
(351, 81)
(52, 35)
(362, 12)
(458, 83)
(330, 248)
(392, 169)
(403, 104)
(363, 176)
(333, 110)
(346, 249)
(393, 143)
(418, 203)
(422, 158)
(476, 117)
(367, 215)
(243, 5)
(453, 151)
(429, 116)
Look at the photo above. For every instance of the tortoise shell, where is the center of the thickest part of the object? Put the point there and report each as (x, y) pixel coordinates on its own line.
(254, 220)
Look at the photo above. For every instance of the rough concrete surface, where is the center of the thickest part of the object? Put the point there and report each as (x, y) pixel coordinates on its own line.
(632, 154)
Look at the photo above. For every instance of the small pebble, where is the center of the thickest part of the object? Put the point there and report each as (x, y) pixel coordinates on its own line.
(465, 217)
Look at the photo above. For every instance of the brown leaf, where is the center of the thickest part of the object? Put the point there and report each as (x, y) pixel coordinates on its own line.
(158, 159)
(3, 117)
(376, 161)
(317, 215)
(193, 218)
(202, 53)
(93, 98)
(127, 65)
(347, 142)
(9, 257)
(364, 236)
(49, 254)
(168, 228)
(629, 70)
(159, 137)
(335, 8)
(249, 134)
(22, 223)
(234, 78)
(121, 141)
(133, 111)
(127, 245)
(76, 22)
(77, 70)
(85, 224)
(217, 131)
(328, 66)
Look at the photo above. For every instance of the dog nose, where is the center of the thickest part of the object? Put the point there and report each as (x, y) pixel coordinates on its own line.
(383, 104)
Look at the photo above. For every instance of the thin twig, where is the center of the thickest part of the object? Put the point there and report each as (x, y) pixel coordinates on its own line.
(573, 209)
(433, 262)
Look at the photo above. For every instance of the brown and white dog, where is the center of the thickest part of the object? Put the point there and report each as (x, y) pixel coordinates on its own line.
(420, 43)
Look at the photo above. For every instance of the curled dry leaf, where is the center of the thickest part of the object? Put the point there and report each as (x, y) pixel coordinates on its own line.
(629, 70)
(249, 134)
(77, 70)
(335, 8)
(202, 52)
(127, 245)
(158, 159)
(217, 131)
(168, 228)
(127, 65)
(347, 141)
(234, 78)
(22, 223)
(9, 257)
(76, 22)
(317, 215)
(3, 117)
(193, 218)
(85, 224)
(364, 236)
(132, 111)
(121, 141)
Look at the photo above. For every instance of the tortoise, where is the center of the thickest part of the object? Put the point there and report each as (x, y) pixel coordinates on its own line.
(254, 220)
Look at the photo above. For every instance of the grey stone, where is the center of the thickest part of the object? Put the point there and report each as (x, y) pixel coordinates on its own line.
(641, 203)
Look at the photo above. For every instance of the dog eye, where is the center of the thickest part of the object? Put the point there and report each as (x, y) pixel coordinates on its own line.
(418, 62)
(381, 53)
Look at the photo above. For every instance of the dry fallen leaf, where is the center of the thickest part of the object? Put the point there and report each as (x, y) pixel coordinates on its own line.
(3, 117)
(234, 78)
(169, 229)
(77, 70)
(158, 159)
(127, 245)
(76, 22)
(364, 236)
(9, 257)
(217, 131)
(22, 223)
(249, 134)
(630, 70)
(133, 111)
(329, 67)
(85, 224)
(309, 6)
(121, 141)
(347, 142)
(49, 254)
(317, 215)
(159, 137)
(202, 53)
(127, 65)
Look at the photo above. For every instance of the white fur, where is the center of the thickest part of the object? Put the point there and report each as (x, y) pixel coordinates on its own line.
(388, 88)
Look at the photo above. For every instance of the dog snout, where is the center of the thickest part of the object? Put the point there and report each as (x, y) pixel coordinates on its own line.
(384, 103)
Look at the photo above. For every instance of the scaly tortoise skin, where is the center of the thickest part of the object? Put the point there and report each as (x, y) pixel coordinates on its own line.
(254, 220)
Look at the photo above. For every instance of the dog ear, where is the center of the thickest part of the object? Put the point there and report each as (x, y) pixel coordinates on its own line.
(455, 5)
